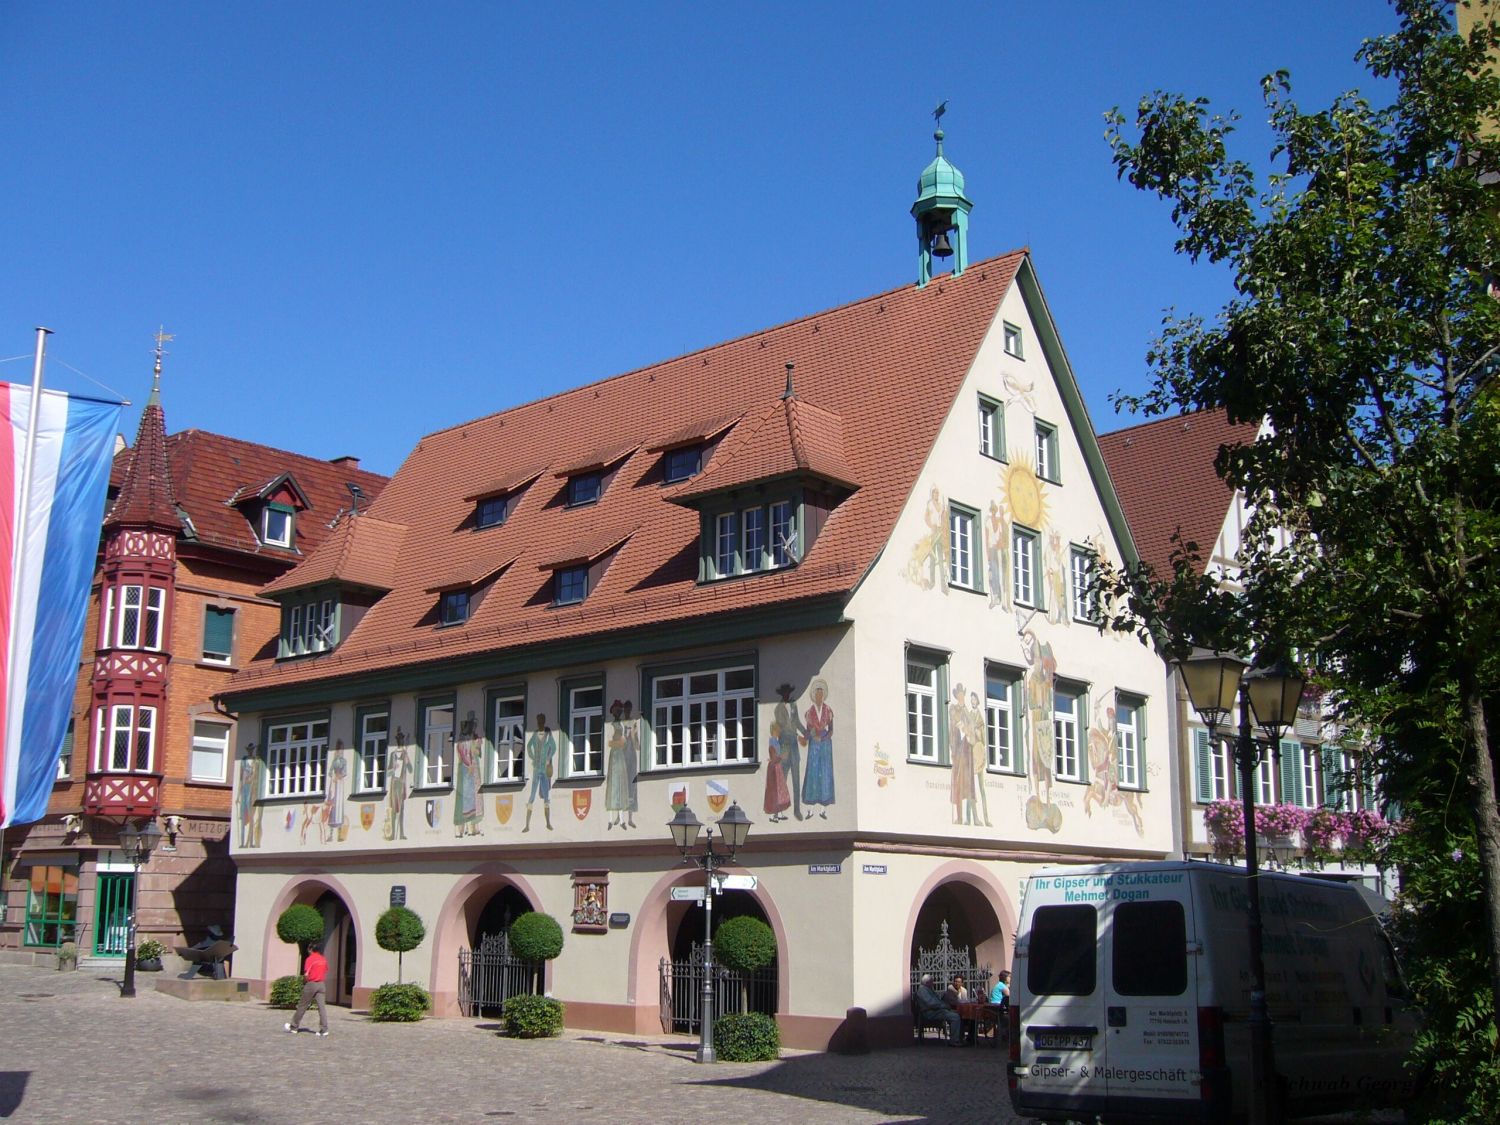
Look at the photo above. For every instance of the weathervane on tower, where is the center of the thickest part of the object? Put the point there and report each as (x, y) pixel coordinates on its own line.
(162, 337)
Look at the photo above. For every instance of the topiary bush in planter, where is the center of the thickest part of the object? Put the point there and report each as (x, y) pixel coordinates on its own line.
(399, 931)
(286, 992)
(747, 1037)
(533, 1017)
(399, 1003)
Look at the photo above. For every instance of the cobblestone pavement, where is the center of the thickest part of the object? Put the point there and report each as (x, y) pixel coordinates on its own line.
(71, 1050)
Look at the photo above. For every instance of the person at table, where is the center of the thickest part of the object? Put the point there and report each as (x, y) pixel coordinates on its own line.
(956, 993)
(932, 1008)
(1000, 994)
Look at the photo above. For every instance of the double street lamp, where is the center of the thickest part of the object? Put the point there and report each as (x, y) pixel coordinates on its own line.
(1216, 683)
(137, 844)
(734, 827)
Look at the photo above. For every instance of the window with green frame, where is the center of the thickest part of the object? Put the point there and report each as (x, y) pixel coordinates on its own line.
(51, 906)
(278, 525)
(752, 539)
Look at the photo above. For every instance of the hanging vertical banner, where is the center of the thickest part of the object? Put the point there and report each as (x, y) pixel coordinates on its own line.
(48, 553)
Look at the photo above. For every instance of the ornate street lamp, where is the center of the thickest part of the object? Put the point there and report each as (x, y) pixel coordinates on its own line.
(138, 844)
(734, 827)
(1213, 681)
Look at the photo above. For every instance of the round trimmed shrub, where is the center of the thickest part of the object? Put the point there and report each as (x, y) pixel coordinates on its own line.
(745, 944)
(286, 991)
(536, 937)
(399, 1003)
(529, 1016)
(747, 1037)
(300, 925)
(399, 930)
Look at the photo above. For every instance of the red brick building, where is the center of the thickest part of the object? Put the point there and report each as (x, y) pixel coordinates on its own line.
(197, 523)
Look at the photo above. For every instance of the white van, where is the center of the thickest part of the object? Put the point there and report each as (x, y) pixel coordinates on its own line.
(1130, 995)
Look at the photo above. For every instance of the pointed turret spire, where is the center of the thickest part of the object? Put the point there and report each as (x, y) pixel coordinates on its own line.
(941, 207)
(146, 497)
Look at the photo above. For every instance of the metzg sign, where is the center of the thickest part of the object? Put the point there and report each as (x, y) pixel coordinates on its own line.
(398, 895)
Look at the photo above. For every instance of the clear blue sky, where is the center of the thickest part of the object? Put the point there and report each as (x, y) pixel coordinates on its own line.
(364, 222)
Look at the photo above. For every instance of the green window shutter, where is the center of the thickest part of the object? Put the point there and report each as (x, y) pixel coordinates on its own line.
(1291, 772)
(218, 630)
(1334, 794)
(1081, 709)
(1203, 759)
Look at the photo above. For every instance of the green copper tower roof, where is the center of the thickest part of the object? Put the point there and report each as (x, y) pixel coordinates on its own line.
(941, 209)
(940, 184)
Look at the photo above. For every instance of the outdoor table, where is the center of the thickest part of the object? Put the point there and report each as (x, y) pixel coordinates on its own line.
(975, 1012)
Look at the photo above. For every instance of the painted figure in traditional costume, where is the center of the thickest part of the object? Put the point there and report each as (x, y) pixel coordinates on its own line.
(620, 770)
(541, 749)
(928, 566)
(333, 804)
(961, 754)
(1055, 571)
(974, 718)
(632, 765)
(251, 773)
(398, 784)
(468, 812)
(778, 798)
(817, 784)
(997, 555)
(793, 738)
(1104, 781)
(1042, 668)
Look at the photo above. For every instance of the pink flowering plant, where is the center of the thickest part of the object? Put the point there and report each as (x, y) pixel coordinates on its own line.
(1279, 820)
(1225, 821)
(1366, 835)
(1324, 829)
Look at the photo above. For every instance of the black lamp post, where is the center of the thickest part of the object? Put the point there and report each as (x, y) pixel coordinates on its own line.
(138, 844)
(1215, 682)
(734, 827)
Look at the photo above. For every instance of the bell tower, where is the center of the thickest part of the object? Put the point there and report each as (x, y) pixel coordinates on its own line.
(941, 211)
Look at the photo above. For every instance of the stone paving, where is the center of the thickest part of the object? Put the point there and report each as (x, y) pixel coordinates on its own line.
(72, 1050)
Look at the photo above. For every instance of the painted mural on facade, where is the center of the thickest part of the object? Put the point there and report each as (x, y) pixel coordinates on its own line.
(1104, 776)
(468, 803)
(792, 779)
(397, 786)
(622, 767)
(541, 753)
(248, 813)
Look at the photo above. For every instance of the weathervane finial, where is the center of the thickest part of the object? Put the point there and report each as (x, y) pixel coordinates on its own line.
(162, 337)
(937, 117)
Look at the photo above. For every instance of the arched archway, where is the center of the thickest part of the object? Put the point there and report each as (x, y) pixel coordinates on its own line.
(340, 946)
(333, 900)
(975, 906)
(685, 927)
(462, 918)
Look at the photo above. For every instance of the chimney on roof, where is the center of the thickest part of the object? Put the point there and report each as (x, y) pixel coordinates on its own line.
(345, 462)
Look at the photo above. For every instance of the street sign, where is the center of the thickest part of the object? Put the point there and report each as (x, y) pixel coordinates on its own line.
(687, 894)
(398, 895)
(738, 882)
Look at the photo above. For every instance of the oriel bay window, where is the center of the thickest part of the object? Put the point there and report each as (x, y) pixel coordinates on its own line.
(703, 718)
(132, 617)
(296, 756)
(124, 738)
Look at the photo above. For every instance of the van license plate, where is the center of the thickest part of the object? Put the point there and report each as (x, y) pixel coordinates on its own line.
(1064, 1041)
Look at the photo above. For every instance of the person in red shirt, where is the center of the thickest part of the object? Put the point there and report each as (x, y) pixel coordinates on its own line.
(314, 973)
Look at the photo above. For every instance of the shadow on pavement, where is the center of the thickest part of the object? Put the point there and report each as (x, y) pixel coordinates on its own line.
(12, 1090)
(924, 1083)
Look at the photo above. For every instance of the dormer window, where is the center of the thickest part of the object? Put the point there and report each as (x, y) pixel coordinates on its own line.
(308, 626)
(453, 607)
(491, 511)
(570, 585)
(754, 538)
(277, 525)
(584, 488)
(680, 464)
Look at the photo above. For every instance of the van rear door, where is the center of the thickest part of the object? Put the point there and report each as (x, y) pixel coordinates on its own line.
(1150, 1003)
(1062, 1042)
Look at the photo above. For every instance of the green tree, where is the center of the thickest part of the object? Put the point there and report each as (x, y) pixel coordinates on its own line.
(300, 925)
(745, 943)
(399, 931)
(1364, 329)
(536, 937)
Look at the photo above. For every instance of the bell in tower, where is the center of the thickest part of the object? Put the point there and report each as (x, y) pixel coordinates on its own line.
(941, 212)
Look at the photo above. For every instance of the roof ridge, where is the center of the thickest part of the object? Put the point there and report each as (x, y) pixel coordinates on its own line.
(907, 287)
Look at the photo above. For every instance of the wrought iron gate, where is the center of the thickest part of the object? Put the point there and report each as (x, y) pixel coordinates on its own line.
(945, 961)
(491, 974)
(682, 991)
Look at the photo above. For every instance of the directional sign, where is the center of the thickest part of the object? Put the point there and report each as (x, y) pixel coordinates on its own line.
(738, 882)
(687, 894)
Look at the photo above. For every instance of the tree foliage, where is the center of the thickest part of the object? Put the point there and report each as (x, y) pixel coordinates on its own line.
(300, 925)
(745, 943)
(399, 930)
(1364, 332)
(536, 937)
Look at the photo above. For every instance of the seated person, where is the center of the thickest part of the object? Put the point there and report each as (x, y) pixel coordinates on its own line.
(1000, 994)
(955, 993)
(931, 1007)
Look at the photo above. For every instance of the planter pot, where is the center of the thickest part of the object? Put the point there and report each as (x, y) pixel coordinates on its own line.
(149, 965)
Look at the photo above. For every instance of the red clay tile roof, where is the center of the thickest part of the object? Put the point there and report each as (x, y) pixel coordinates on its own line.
(1163, 472)
(598, 459)
(208, 469)
(694, 432)
(887, 367)
(593, 548)
(503, 486)
(792, 438)
(146, 495)
(471, 572)
(360, 551)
